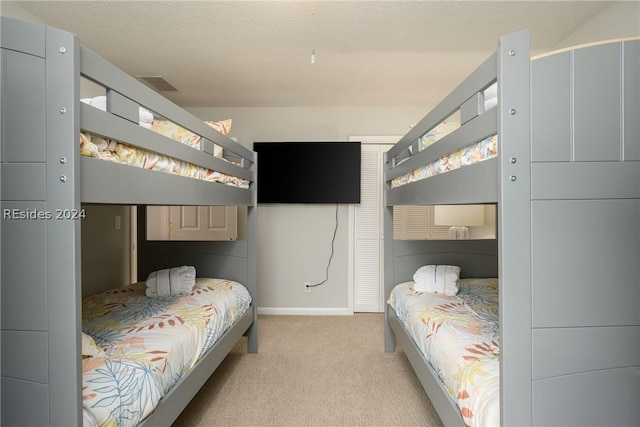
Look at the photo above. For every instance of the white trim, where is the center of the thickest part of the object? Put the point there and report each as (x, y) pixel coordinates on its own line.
(351, 251)
(305, 311)
(389, 139)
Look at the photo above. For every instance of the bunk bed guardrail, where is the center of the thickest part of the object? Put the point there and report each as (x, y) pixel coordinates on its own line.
(120, 122)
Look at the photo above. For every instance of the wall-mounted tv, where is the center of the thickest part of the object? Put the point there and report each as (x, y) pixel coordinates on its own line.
(308, 172)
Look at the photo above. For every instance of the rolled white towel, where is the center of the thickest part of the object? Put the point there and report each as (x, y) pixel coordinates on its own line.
(174, 281)
(440, 279)
(146, 116)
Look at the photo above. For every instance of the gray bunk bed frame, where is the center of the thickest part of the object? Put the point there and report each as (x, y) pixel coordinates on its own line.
(566, 183)
(43, 172)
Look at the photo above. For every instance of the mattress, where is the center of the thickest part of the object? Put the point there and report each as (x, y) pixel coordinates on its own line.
(472, 154)
(136, 348)
(459, 337)
(105, 149)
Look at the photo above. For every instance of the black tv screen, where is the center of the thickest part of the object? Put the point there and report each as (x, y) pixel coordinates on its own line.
(308, 172)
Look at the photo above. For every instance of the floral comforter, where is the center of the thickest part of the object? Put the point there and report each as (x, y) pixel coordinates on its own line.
(459, 336)
(145, 345)
(474, 153)
(105, 149)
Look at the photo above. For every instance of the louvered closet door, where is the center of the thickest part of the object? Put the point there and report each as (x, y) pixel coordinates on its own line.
(369, 243)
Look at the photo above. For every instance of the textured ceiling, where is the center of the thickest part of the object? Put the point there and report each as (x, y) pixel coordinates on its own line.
(368, 53)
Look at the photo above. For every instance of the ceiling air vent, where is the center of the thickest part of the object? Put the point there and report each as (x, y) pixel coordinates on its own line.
(158, 83)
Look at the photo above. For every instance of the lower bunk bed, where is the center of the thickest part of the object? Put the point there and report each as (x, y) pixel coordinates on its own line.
(137, 345)
(459, 338)
(450, 335)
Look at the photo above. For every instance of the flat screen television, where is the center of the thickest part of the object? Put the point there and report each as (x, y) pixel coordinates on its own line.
(308, 172)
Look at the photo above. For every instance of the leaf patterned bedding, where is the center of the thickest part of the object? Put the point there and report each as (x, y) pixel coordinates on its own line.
(147, 344)
(105, 149)
(180, 134)
(474, 153)
(459, 336)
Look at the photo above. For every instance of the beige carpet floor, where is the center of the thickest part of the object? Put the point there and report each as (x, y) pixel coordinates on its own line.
(313, 371)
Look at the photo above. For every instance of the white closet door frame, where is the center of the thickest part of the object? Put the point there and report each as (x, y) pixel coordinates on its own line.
(374, 140)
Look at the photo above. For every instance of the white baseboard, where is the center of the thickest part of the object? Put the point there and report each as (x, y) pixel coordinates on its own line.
(305, 311)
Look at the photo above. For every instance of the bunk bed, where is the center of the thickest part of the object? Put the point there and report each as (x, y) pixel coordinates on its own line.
(564, 176)
(45, 184)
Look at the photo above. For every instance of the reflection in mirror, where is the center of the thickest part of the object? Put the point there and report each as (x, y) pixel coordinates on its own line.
(444, 222)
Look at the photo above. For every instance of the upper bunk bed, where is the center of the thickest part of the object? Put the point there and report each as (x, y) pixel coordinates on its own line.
(554, 143)
(59, 153)
(126, 99)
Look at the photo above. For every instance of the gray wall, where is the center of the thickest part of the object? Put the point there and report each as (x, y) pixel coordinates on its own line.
(295, 240)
